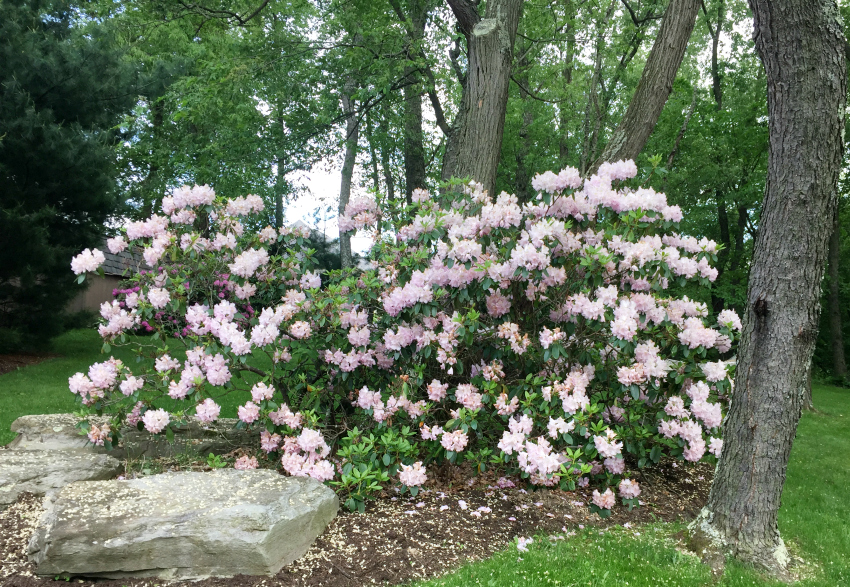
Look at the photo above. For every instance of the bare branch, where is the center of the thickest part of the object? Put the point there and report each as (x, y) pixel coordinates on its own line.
(639, 21)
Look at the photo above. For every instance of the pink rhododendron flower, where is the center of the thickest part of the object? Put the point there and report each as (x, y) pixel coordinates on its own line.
(454, 441)
(155, 421)
(246, 463)
(261, 392)
(715, 445)
(300, 329)
(605, 500)
(131, 385)
(412, 475)
(87, 261)
(629, 489)
(249, 412)
(714, 371)
(98, 435)
(729, 318)
(207, 411)
(116, 245)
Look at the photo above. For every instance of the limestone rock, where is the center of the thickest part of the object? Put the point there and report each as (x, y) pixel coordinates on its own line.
(58, 432)
(185, 525)
(42, 471)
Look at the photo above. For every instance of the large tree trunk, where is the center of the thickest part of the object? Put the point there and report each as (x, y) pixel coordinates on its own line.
(352, 135)
(836, 337)
(655, 85)
(801, 44)
(475, 141)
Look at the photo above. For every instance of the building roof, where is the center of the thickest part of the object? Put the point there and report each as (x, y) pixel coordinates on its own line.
(124, 263)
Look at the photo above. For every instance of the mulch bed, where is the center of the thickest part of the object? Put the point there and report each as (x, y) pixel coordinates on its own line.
(9, 363)
(403, 539)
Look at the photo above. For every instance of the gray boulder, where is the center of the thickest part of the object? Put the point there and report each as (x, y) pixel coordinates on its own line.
(185, 525)
(43, 471)
(58, 432)
(51, 432)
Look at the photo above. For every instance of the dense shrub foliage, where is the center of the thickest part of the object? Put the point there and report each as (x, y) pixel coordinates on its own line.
(538, 339)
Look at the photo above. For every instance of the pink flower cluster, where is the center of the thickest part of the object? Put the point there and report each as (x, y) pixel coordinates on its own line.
(360, 212)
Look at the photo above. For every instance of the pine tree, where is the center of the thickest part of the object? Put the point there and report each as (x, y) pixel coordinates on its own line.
(62, 91)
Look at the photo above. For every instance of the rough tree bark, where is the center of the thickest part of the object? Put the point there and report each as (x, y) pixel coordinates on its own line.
(475, 142)
(801, 44)
(836, 337)
(352, 135)
(655, 85)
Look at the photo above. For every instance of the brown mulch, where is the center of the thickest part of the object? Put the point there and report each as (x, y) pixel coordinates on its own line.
(9, 363)
(401, 539)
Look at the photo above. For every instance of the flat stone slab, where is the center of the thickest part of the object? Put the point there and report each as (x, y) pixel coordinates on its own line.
(58, 432)
(184, 525)
(43, 471)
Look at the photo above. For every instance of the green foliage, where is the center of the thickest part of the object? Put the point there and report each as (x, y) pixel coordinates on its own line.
(216, 461)
(62, 90)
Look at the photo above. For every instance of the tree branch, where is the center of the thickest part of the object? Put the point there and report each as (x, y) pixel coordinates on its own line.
(466, 14)
(225, 14)
(639, 21)
(535, 96)
(425, 69)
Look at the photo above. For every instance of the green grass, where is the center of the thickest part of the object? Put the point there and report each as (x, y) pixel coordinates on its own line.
(43, 388)
(814, 519)
(814, 522)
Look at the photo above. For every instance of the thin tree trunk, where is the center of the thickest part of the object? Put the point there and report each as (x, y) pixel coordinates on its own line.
(567, 75)
(675, 150)
(414, 149)
(279, 184)
(806, 390)
(475, 142)
(839, 364)
(655, 85)
(588, 142)
(352, 135)
(522, 187)
(801, 44)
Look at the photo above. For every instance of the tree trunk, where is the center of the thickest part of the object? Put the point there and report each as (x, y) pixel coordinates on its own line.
(655, 85)
(588, 141)
(352, 135)
(567, 75)
(801, 44)
(475, 142)
(836, 337)
(280, 182)
(806, 390)
(522, 181)
(414, 149)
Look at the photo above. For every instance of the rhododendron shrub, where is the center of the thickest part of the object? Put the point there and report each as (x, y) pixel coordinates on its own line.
(541, 339)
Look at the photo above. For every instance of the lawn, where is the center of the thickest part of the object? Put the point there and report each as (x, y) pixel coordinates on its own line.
(814, 519)
(43, 388)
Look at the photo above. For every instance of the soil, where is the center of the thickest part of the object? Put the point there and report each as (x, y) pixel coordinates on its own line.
(401, 539)
(9, 363)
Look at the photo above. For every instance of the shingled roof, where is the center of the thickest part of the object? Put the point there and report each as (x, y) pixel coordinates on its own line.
(125, 263)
